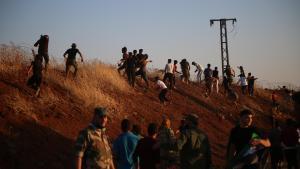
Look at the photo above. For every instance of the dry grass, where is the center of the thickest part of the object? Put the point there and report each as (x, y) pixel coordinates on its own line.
(94, 84)
(12, 61)
(20, 105)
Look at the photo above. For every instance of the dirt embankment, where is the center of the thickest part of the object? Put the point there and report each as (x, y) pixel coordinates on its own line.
(39, 132)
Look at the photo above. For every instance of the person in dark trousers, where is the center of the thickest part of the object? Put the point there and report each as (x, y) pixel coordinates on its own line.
(140, 55)
(164, 90)
(36, 68)
(130, 69)
(42, 44)
(290, 142)
(245, 143)
(251, 79)
(169, 68)
(123, 61)
(71, 59)
(276, 149)
(208, 79)
(174, 72)
(143, 69)
(185, 68)
(225, 84)
(215, 75)
(145, 150)
(243, 82)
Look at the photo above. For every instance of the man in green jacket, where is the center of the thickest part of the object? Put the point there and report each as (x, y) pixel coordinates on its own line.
(193, 146)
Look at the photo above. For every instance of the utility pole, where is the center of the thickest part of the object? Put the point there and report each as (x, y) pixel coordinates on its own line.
(224, 42)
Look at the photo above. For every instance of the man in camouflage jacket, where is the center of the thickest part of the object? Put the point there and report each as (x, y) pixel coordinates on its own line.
(92, 148)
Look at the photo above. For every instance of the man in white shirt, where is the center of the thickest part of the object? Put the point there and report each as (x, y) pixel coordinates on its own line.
(164, 90)
(169, 73)
(199, 69)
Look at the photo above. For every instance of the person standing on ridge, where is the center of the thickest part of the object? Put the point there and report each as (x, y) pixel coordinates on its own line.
(199, 69)
(42, 43)
(216, 79)
(243, 82)
(208, 79)
(169, 73)
(36, 67)
(123, 62)
(143, 69)
(185, 68)
(71, 59)
(251, 80)
(174, 72)
(130, 69)
(230, 73)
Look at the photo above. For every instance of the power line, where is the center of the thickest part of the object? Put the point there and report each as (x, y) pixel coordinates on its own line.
(224, 41)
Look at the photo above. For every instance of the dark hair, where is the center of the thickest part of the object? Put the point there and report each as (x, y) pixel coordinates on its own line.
(208, 65)
(125, 125)
(152, 129)
(245, 112)
(124, 49)
(175, 61)
(169, 60)
(134, 51)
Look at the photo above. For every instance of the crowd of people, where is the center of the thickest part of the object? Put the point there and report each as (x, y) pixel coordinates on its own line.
(186, 147)
(162, 148)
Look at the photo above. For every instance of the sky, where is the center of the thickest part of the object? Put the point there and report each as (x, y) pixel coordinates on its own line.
(265, 39)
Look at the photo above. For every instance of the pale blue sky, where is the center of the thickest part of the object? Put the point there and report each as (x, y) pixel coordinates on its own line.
(265, 39)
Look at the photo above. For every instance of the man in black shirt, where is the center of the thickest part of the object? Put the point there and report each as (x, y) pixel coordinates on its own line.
(244, 142)
(42, 44)
(71, 59)
(215, 75)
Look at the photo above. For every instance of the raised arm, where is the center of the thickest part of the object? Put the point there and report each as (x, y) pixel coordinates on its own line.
(36, 43)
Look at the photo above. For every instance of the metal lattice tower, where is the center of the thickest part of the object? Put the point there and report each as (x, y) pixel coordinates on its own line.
(224, 41)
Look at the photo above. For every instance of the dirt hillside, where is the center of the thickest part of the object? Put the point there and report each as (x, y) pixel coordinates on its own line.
(39, 132)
